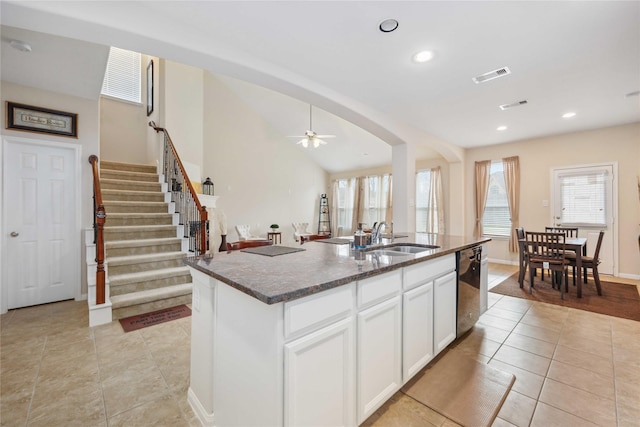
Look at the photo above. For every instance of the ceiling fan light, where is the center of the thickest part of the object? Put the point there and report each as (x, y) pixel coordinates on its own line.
(316, 143)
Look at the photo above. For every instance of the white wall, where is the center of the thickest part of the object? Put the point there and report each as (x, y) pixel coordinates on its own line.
(260, 176)
(619, 144)
(124, 132)
(181, 102)
(88, 139)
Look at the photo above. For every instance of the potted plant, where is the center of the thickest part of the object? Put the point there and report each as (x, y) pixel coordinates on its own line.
(274, 227)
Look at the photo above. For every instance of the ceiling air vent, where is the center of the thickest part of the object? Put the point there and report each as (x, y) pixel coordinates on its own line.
(514, 104)
(491, 75)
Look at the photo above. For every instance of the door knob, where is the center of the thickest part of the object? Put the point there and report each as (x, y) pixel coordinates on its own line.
(14, 234)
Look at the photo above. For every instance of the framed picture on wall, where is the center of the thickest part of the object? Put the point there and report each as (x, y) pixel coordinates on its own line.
(37, 119)
(150, 88)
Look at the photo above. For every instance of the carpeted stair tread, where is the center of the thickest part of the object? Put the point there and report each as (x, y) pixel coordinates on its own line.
(131, 195)
(151, 295)
(118, 279)
(121, 228)
(145, 258)
(116, 184)
(111, 165)
(141, 242)
(128, 175)
(132, 203)
(139, 214)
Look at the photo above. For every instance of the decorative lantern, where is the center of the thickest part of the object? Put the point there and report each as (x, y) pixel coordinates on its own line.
(207, 187)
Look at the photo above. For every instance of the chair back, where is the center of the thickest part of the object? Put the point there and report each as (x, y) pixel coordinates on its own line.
(567, 231)
(244, 231)
(545, 247)
(596, 253)
(313, 237)
(520, 235)
(242, 244)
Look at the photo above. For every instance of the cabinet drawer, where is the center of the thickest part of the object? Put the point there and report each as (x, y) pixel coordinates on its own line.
(418, 274)
(308, 314)
(378, 288)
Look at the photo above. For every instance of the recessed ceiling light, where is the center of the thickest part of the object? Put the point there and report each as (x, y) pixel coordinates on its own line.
(568, 115)
(20, 45)
(388, 25)
(501, 128)
(423, 56)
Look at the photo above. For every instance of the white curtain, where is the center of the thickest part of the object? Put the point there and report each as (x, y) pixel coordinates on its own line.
(335, 198)
(435, 213)
(360, 202)
(379, 199)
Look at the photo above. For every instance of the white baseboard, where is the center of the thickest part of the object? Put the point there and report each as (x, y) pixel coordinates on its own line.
(100, 314)
(205, 418)
(502, 261)
(629, 276)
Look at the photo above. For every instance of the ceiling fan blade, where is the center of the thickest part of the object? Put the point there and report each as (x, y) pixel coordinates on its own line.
(296, 136)
(325, 136)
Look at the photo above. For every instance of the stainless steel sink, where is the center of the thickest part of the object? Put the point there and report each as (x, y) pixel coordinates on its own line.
(386, 252)
(411, 249)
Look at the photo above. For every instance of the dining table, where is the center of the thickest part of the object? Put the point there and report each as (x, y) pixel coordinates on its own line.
(574, 244)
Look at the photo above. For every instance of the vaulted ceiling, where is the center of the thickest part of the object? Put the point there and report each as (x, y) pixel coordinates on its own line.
(581, 57)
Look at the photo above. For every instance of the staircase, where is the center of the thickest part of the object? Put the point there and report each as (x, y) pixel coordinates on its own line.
(143, 243)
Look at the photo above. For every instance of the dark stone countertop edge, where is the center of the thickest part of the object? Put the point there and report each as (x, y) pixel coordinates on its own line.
(310, 290)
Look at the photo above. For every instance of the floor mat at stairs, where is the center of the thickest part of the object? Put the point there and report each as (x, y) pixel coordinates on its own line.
(140, 321)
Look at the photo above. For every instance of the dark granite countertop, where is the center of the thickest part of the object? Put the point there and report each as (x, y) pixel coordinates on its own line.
(319, 267)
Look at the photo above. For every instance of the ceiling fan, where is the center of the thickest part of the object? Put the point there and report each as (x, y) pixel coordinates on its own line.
(310, 137)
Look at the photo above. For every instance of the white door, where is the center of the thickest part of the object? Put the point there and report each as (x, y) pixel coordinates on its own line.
(379, 348)
(319, 371)
(417, 329)
(42, 256)
(585, 197)
(444, 311)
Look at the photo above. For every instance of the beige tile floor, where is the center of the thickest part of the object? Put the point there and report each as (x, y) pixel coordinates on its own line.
(573, 368)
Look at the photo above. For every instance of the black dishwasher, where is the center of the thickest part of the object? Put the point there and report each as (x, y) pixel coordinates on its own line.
(468, 267)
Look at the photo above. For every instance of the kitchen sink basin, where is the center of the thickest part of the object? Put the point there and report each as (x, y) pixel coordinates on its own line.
(385, 252)
(411, 249)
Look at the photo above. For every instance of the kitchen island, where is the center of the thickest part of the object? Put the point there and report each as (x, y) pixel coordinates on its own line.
(322, 336)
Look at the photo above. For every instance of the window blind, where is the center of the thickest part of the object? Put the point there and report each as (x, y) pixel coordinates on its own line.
(583, 198)
(497, 219)
(122, 77)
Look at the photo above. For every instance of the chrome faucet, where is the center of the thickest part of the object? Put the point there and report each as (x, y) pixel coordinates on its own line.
(376, 236)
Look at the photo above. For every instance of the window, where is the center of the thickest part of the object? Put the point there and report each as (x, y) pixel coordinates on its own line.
(583, 198)
(497, 219)
(122, 77)
(346, 188)
(423, 183)
(378, 197)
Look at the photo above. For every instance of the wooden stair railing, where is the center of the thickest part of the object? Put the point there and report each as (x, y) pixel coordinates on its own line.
(99, 217)
(192, 215)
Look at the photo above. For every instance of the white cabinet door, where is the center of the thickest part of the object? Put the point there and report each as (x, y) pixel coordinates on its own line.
(319, 379)
(444, 310)
(379, 355)
(417, 330)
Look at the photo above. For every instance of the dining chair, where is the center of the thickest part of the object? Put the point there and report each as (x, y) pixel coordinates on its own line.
(313, 237)
(567, 231)
(589, 262)
(546, 251)
(522, 256)
(242, 244)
